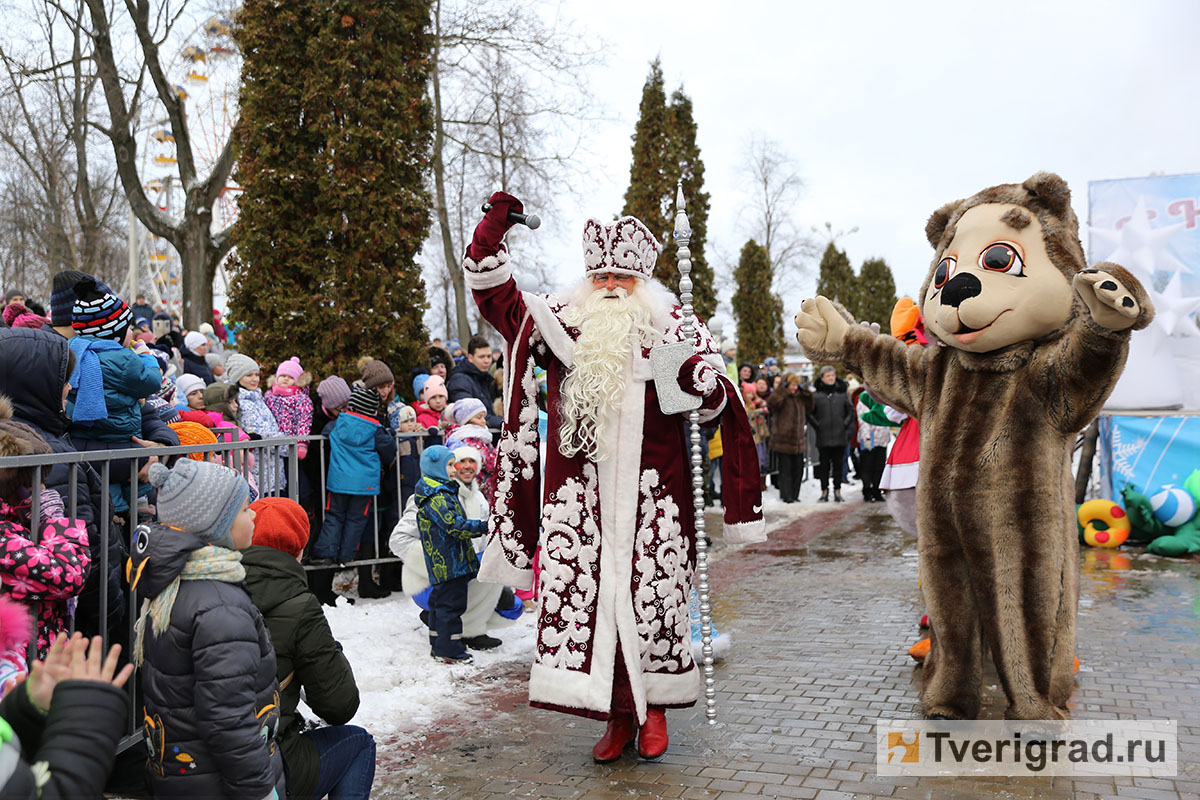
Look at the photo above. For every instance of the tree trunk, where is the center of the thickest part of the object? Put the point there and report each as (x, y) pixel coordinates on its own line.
(1086, 457)
(439, 183)
(198, 263)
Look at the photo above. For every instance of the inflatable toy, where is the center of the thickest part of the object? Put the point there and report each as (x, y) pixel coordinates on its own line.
(1173, 507)
(1105, 524)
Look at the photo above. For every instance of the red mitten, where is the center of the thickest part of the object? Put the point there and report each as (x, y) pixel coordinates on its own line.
(697, 377)
(491, 229)
(301, 449)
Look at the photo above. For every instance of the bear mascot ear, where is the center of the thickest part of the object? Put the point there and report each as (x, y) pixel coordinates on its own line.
(1051, 190)
(938, 221)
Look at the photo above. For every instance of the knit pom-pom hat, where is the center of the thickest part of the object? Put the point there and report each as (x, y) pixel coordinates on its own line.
(377, 373)
(291, 368)
(435, 462)
(280, 523)
(18, 316)
(200, 497)
(15, 625)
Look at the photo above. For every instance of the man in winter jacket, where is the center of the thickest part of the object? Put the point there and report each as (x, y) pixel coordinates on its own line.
(34, 367)
(471, 378)
(336, 759)
(832, 418)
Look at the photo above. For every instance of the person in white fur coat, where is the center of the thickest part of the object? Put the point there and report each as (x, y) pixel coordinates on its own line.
(482, 598)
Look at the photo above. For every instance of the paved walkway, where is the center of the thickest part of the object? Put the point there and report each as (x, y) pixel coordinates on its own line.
(821, 618)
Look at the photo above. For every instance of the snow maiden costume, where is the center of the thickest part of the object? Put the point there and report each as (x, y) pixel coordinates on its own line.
(616, 533)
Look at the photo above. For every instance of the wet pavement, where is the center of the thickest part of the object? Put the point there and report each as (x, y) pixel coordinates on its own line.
(821, 618)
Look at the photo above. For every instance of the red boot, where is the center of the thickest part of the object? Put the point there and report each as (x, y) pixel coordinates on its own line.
(652, 741)
(617, 736)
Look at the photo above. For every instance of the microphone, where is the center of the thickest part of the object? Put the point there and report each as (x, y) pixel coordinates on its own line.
(531, 221)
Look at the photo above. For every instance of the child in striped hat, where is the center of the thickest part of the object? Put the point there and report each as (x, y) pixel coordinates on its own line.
(110, 380)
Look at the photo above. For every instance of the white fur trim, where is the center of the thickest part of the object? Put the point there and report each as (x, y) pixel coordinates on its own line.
(494, 568)
(900, 476)
(745, 532)
(488, 273)
(550, 327)
(672, 689)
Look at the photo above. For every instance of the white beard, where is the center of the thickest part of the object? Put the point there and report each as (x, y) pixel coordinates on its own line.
(611, 325)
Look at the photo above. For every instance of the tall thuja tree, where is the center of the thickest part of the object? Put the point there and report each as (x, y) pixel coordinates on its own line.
(757, 311)
(836, 279)
(665, 151)
(876, 292)
(335, 138)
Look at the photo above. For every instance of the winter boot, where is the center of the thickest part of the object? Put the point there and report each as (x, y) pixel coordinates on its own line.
(483, 642)
(837, 495)
(461, 658)
(824, 496)
(617, 736)
(652, 739)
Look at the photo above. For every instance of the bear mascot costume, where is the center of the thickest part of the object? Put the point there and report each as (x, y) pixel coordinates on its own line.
(1032, 343)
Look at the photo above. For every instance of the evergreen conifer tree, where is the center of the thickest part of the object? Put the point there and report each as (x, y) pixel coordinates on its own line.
(836, 280)
(334, 134)
(665, 151)
(757, 311)
(876, 292)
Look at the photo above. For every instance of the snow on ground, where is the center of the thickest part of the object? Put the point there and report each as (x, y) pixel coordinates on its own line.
(402, 688)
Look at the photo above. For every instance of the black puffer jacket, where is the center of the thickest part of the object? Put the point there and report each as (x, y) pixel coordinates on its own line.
(211, 698)
(832, 416)
(33, 370)
(307, 657)
(468, 380)
(76, 742)
(195, 364)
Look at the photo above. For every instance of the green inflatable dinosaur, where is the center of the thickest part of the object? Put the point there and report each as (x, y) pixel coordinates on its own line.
(1163, 540)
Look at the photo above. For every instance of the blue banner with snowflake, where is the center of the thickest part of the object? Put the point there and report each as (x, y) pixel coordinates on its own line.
(1148, 453)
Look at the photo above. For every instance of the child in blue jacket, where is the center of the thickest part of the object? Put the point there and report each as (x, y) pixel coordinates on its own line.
(359, 449)
(446, 536)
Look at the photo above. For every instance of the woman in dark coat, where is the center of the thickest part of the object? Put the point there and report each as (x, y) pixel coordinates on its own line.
(832, 418)
(336, 759)
(788, 406)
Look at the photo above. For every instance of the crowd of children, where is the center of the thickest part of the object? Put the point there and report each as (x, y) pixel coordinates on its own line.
(230, 629)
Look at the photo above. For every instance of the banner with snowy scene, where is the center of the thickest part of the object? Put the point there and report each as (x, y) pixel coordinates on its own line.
(1151, 226)
(1148, 453)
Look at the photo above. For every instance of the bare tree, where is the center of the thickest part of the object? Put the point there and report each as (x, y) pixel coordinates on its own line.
(128, 88)
(511, 106)
(60, 208)
(775, 185)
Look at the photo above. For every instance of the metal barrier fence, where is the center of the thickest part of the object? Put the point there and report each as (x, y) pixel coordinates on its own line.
(266, 455)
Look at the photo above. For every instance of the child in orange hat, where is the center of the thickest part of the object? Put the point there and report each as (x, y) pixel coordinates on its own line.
(337, 760)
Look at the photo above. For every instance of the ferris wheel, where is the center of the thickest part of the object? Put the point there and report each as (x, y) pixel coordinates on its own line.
(206, 72)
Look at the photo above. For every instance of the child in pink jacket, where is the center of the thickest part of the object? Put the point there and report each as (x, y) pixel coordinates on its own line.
(291, 405)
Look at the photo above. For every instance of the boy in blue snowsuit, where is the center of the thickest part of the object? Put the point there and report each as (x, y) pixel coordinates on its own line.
(446, 536)
(359, 448)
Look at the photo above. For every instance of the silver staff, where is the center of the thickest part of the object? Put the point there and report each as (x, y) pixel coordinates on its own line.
(683, 236)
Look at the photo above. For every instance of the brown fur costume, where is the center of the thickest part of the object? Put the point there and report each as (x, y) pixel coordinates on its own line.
(1034, 343)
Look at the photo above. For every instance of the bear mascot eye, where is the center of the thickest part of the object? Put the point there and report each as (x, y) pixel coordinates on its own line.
(1002, 257)
(945, 269)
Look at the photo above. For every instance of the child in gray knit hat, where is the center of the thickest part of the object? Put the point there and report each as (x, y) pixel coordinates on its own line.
(208, 668)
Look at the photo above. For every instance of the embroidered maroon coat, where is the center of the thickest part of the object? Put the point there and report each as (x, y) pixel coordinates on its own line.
(617, 536)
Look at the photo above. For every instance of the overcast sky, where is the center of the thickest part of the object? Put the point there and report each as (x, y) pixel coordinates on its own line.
(892, 109)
